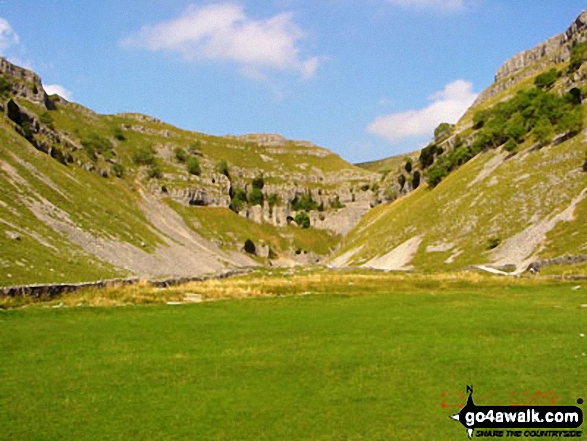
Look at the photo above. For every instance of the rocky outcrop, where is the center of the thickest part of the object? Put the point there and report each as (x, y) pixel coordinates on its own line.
(25, 84)
(556, 49)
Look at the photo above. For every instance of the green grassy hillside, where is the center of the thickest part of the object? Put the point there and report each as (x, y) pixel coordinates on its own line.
(88, 196)
(507, 188)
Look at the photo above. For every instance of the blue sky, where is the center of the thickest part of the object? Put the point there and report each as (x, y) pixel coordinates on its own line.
(365, 78)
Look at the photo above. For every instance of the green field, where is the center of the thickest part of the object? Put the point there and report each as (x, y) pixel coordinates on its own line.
(356, 357)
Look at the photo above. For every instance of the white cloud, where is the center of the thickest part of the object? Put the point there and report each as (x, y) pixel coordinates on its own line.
(7, 36)
(443, 5)
(447, 105)
(59, 90)
(224, 32)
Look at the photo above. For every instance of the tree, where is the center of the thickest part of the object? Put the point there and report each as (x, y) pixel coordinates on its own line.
(302, 219)
(401, 179)
(408, 165)
(443, 130)
(416, 179)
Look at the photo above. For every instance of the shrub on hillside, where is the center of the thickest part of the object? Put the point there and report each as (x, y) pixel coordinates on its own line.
(193, 166)
(222, 168)
(117, 170)
(547, 79)
(336, 204)
(302, 219)
(180, 154)
(144, 155)
(95, 145)
(416, 179)
(119, 134)
(238, 199)
(250, 247)
(304, 202)
(256, 196)
(154, 172)
(258, 182)
(578, 55)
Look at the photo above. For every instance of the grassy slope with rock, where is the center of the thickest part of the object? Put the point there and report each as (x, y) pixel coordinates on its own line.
(88, 196)
(507, 187)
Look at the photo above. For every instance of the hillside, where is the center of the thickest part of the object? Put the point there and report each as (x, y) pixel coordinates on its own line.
(88, 196)
(505, 186)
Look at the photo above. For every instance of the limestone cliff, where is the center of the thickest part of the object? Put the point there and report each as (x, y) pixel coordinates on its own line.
(556, 49)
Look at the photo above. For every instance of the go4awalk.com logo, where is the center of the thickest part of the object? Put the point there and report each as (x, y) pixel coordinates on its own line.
(518, 421)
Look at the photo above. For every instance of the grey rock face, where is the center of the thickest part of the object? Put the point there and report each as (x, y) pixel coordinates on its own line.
(556, 49)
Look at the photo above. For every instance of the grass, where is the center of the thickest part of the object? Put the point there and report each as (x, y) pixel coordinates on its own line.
(231, 230)
(364, 356)
(470, 215)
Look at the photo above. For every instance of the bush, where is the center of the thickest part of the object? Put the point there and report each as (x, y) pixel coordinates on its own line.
(256, 196)
(46, 119)
(578, 53)
(426, 157)
(510, 145)
(117, 170)
(250, 247)
(259, 182)
(119, 134)
(442, 131)
(305, 202)
(401, 179)
(222, 168)
(194, 147)
(390, 194)
(95, 145)
(273, 200)
(5, 87)
(572, 122)
(437, 173)
(238, 199)
(193, 166)
(547, 79)
(180, 154)
(543, 132)
(336, 204)
(144, 155)
(302, 219)
(154, 172)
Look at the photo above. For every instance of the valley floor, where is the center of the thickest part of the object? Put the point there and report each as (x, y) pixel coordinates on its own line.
(304, 356)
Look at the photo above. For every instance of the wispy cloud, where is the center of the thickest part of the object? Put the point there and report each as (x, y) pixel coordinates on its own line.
(8, 37)
(224, 32)
(59, 90)
(448, 105)
(440, 5)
